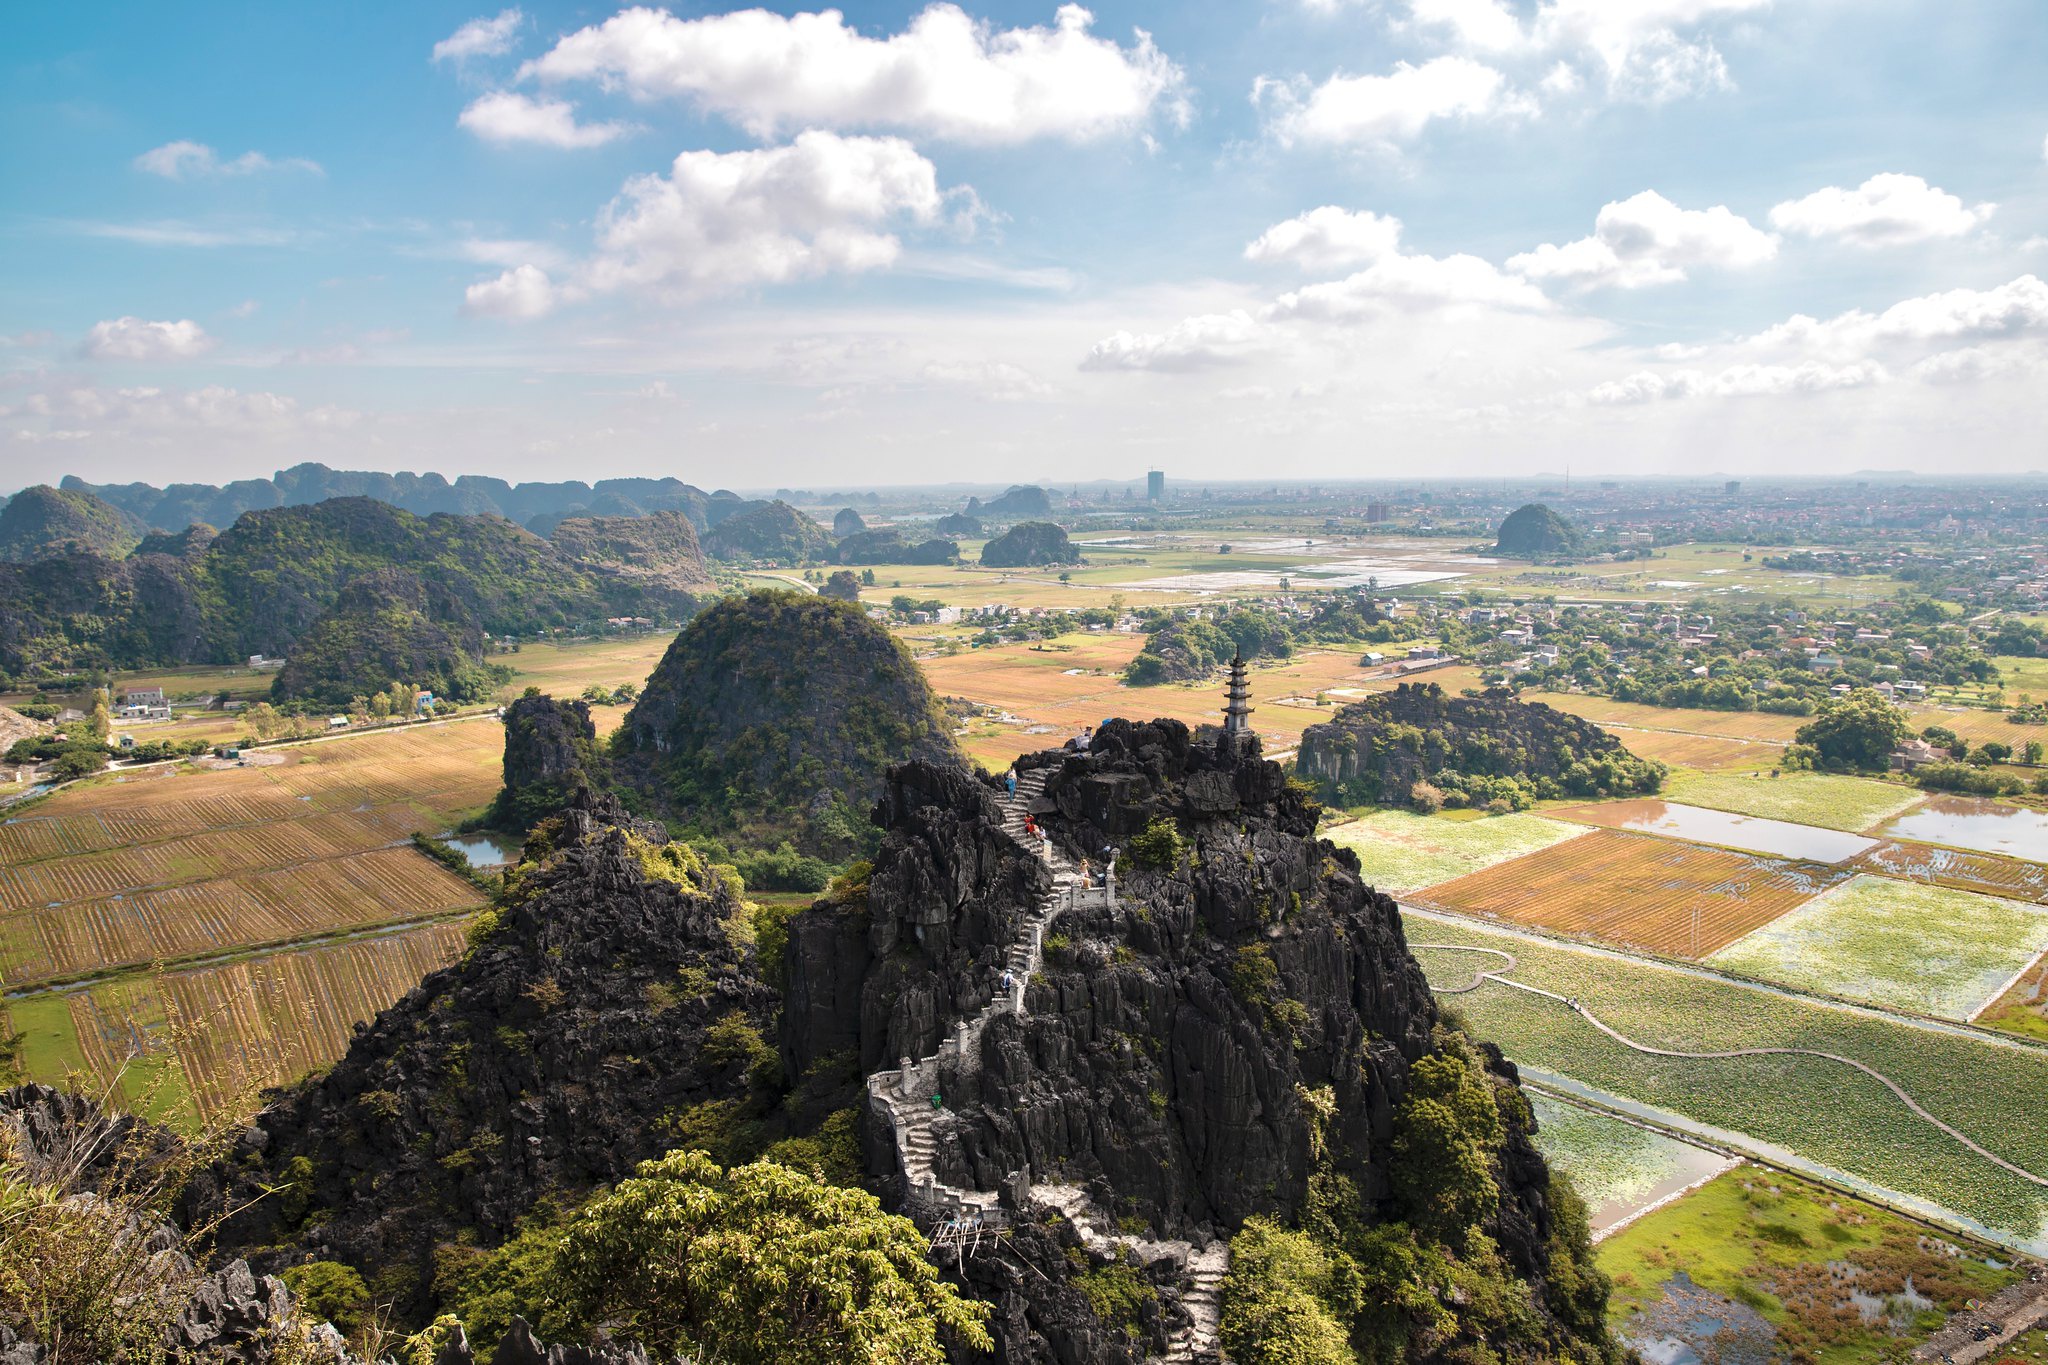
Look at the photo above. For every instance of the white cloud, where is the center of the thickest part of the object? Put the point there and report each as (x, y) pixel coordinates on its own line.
(1645, 240)
(1326, 238)
(171, 232)
(1885, 210)
(197, 161)
(726, 221)
(1971, 364)
(245, 309)
(1196, 343)
(2016, 309)
(480, 37)
(152, 414)
(1383, 110)
(510, 252)
(505, 116)
(131, 338)
(1737, 381)
(1479, 25)
(1638, 43)
(522, 292)
(945, 75)
(1411, 283)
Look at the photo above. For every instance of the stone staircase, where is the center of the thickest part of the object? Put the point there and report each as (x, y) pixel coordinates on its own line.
(908, 1093)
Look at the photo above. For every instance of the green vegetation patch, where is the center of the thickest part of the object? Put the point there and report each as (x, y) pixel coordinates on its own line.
(1906, 944)
(1402, 851)
(1814, 1107)
(1830, 1274)
(1611, 1162)
(1846, 803)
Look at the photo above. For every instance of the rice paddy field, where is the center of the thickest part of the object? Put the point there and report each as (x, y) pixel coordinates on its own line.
(190, 861)
(1923, 948)
(1619, 1168)
(2023, 1009)
(1776, 1267)
(196, 1044)
(1401, 851)
(1659, 895)
(1843, 803)
(1705, 753)
(1821, 1110)
(1987, 873)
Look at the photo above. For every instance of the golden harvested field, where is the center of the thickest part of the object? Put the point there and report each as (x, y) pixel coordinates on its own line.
(187, 861)
(564, 670)
(1986, 873)
(1666, 897)
(1053, 688)
(1704, 752)
(1751, 725)
(207, 1038)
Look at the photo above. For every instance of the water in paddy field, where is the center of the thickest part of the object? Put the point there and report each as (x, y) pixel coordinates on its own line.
(1759, 835)
(485, 851)
(1971, 822)
(1618, 1168)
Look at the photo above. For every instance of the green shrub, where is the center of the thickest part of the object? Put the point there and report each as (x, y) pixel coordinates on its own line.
(330, 1291)
(1158, 845)
(1117, 1294)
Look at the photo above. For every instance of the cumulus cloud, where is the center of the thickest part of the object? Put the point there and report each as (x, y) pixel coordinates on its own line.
(196, 161)
(1646, 240)
(131, 338)
(1411, 283)
(481, 38)
(1639, 45)
(1885, 210)
(1737, 381)
(945, 75)
(1383, 110)
(2014, 310)
(1481, 25)
(1197, 343)
(725, 221)
(1327, 238)
(520, 293)
(504, 116)
(152, 413)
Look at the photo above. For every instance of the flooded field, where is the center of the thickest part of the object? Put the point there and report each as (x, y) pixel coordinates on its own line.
(1970, 822)
(1619, 1168)
(1749, 832)
(485, 851)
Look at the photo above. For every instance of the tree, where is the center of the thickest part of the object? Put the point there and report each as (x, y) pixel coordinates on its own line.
(1858, 730)
(99, 722)
(2030, 753)
(843, 586)
(757, 1264)
(262, 720)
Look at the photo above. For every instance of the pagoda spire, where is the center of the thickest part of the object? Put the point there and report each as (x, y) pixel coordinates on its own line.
(1238, 705)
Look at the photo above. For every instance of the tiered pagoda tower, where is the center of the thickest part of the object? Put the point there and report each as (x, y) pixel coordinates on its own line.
(1238, 707)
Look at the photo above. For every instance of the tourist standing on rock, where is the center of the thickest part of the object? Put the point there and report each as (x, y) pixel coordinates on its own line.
(1010, 781)
(1086, 882)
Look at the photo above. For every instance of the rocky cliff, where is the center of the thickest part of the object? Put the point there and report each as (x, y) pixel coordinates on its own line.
(771, 530)
(657, 554)
(1030, 544)
(609, 993)
(1238, 1034)
(551, 754)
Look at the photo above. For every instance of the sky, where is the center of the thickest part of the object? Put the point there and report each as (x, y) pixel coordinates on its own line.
(899, 243)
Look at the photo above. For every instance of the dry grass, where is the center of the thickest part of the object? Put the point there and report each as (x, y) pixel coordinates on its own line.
(1704, 753)
(1666, 897)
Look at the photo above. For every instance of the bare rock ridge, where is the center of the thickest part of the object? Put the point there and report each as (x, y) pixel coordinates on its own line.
(1172, 1053)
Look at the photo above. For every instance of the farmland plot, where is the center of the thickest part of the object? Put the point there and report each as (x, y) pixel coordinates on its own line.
(1986, 873)
(1844, 803)
(2023, 1009)
(1617, 1167)
(1657, 894)
(1922, 948)
(1819, 1109)
(1402, 851)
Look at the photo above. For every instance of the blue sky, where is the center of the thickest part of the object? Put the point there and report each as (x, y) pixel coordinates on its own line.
(1286, 238)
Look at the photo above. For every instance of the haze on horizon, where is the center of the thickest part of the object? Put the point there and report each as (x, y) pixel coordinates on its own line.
(914, 243)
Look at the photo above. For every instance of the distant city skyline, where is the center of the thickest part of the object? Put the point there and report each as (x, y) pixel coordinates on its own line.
(1282, 241)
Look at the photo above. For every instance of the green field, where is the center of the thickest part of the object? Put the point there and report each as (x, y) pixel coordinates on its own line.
(1816, 1108)
(1402, 851)
(1617, 1167)
(1784, 1248)
(1904, 944)
(1845, 803)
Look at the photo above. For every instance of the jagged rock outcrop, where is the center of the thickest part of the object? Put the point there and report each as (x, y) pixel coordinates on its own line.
(1240, 1024)
(1030, 544)
(550, 1060)
(551, 754)
(41, 522)
(1018, 502)
(776, 714)
(1472, 750)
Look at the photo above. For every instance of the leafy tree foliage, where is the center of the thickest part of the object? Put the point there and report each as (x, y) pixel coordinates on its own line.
(757, 1265)
(1858, 730)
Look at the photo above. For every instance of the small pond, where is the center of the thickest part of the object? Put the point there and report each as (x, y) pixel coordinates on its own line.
(485, 850)
(1971, 822)
(1752, 832)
